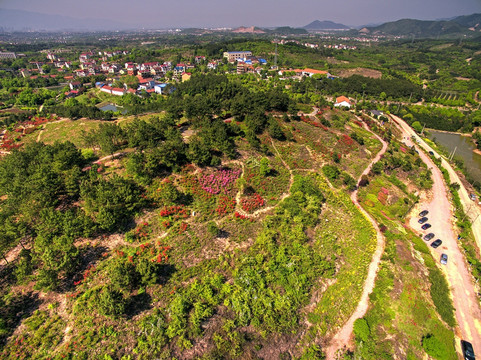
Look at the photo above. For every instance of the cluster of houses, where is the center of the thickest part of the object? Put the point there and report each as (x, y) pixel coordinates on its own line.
(287, 41)
(340, 47)
(148, 85)
(246, 63)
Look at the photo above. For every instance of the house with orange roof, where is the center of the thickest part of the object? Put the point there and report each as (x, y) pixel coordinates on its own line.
(342, 101)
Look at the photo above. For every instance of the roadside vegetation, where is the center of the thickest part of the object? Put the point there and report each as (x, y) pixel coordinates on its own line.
(410, 312)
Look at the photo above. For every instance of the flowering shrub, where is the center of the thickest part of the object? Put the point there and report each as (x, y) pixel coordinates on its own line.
(358, 123)
(175, 212)
(242, 217)
(307, 120)
(219, 181)
(9, 142)
(225, 205)
(183, 227)
(90, 270)
(346, 140)
(140, 232)
(252, 203)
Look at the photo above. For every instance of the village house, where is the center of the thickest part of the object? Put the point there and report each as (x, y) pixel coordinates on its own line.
(160, 88)
(106, 89)
(157, 71)
(146, 84)
(118, 91)
(233, 56)
(342, 101)
(84, 57)
(82, 72)
(212, 65)
(75, 85)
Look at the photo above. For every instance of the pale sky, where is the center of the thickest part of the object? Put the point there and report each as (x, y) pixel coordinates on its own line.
(233, 13)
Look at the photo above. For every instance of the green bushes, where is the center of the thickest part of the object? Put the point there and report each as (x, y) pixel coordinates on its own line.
(110, 302)
(435, 348)
(112, 201)
(361, 330)
(440, 295)
(104, 300)
(331, 172)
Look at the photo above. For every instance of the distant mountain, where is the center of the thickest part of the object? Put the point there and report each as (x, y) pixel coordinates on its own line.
(249, 30)
(19, 20)
(325, 25)
(287, 30)
(407, 27)
(473, 20)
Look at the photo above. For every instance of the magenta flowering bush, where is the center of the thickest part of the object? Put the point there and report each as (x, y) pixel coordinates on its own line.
(217, 182)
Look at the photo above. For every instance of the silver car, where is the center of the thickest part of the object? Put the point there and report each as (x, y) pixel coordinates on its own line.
(444, 259)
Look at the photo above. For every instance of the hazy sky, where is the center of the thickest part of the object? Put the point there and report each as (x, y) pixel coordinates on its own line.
(233, 13)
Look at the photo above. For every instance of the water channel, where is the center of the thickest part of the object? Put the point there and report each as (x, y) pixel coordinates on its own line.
(464, 149)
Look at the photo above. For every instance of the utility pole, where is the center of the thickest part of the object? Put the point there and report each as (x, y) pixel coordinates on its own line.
(275, 58)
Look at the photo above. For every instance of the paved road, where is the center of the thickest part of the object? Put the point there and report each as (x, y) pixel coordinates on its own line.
(343, 338)
(466, 303)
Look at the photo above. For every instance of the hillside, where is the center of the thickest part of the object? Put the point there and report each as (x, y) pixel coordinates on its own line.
(468, 20)
(206, 238)
(419, 28)
(325, 25)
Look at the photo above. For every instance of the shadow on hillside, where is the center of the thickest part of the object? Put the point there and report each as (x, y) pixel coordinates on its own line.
(13, 311)
(87, 259)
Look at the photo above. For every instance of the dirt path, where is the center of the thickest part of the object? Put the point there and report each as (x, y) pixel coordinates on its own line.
(466, 303)
(342, 339)
(108, 157)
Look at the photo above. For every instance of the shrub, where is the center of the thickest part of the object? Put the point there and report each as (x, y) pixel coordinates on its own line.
(331, 172)
(122, 274)
(435, 347)
(213, 229)
(361, 330)
(110, 302)
(440, 296)
(147, 272)
(24, 266)
(364, 181)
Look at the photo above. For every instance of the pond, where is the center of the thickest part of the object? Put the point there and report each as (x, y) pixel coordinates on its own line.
(114, 108)
(464, 149)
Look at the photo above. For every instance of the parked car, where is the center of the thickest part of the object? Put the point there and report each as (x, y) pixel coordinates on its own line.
(444, 259)
(472, 197)
(428, 236)
(426, 226)
(468, 351)
(423, 220)
(423, 213)
(436, 243)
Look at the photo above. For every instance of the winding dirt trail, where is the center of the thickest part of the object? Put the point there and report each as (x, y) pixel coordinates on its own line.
(343, 338)
(466, 302)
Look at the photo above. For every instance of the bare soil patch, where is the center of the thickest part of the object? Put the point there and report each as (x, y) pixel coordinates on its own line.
(375, 74)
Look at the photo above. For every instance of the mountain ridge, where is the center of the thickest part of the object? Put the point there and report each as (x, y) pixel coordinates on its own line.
(325, 25)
